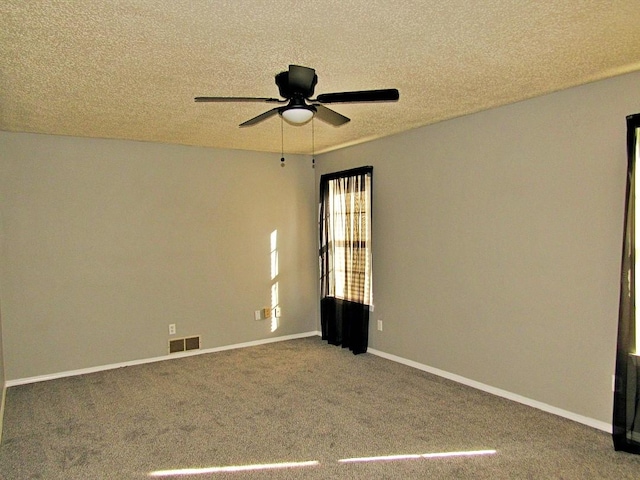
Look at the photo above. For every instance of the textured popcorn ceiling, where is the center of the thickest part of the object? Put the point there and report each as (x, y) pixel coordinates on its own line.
(129, 69)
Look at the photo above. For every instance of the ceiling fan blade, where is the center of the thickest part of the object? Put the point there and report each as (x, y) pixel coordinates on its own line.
(239, 99)
(302, 79)
(260, 118)
(330, 116)
(388, 95)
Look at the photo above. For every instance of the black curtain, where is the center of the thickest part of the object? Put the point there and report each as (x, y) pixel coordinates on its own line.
(345, 257)
(626, 418)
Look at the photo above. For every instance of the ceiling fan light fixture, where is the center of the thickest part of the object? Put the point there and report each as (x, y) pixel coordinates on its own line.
(298, 115)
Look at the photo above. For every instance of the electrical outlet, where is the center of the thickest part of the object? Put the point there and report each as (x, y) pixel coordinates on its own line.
(379, 325)
(266, 311)
(172, 329)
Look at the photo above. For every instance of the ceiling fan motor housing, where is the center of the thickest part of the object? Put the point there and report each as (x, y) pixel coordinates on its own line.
(289, 89)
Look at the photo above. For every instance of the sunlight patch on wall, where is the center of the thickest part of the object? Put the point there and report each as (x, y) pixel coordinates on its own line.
(275, 294)
(274, 254)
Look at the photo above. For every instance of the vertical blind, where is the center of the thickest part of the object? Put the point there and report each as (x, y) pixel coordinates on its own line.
(347, 239)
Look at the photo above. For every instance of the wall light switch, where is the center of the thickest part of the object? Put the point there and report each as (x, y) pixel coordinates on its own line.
(276, 312)
(257, 315)
(379, 325)
(266, 311)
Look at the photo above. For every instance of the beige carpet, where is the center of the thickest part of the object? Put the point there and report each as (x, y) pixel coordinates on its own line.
(248, 413)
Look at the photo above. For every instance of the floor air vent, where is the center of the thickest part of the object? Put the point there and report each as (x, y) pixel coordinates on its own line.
(182, 344)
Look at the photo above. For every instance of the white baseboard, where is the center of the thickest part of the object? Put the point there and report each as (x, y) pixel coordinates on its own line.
(83, 371)
(591, 422)
(441, 373)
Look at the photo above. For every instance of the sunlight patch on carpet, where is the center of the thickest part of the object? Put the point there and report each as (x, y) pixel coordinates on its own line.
(392, 458)
(230, 468)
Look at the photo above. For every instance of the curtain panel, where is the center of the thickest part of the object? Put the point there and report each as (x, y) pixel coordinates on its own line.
(626, 418)
(345, 257)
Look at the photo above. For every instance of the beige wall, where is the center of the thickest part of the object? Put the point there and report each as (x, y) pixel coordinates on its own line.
(3, 389)
(496, 255)
(107, 242)
(497, 243)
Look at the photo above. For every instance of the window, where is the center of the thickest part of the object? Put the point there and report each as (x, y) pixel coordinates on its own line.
(635, 154)
(349, 241)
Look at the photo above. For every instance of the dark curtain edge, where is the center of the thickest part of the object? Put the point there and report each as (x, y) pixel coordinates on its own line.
(626, 314)
(335, 331)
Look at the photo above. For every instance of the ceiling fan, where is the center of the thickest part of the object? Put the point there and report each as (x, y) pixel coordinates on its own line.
(296, 89)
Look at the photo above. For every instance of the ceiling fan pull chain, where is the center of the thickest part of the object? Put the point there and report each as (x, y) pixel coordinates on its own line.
(313, 144)
(281, 142)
